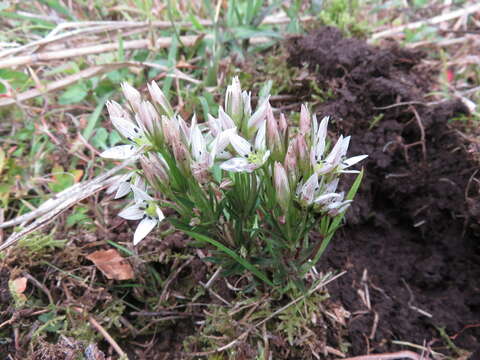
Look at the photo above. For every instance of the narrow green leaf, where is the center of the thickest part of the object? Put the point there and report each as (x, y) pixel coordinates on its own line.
(93, 119)
(232, 254)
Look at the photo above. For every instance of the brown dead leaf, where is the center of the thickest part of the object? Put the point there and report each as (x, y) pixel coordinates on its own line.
(112, 264)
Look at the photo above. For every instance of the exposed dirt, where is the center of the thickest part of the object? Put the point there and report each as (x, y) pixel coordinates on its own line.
(413, 231)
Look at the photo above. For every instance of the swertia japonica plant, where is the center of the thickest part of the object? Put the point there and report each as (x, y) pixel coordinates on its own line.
(245, 182)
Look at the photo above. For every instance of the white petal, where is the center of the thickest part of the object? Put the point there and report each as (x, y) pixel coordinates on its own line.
(323, 199)
(335, 153)
(350, 172)
(265, 157)
(258, 117)
(237, 165)
(260, 138)
(160, 214)
(332, 186)
(199, 146)
(140, 195)
(225, 120)
(132, 213)
(353, 160)
(143, 229)
(214, 125)
(126, 127)
(241, 146)
(309, 188)
(123, 189)
(120, 152)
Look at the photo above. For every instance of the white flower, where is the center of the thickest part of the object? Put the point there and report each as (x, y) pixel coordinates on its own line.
(306, 191)
(251, 156)
(123, 185)
(318, 138)
(145, 210)
(133, 133)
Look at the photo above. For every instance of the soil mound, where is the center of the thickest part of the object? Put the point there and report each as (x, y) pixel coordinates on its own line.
(411, 245)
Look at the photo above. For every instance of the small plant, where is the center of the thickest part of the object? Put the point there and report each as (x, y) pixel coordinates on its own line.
(245, 182)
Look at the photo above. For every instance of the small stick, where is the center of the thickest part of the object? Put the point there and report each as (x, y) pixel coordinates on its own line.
(390, 356)
(422, 133)
(107, 337)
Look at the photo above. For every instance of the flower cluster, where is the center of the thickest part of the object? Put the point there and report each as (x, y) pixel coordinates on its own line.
(195, 168)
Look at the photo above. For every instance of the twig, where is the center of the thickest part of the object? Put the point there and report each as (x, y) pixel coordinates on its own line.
(422, 133)
(172, 277)
(435, 20)
(39, 285)
(107, 336)
(389, 356)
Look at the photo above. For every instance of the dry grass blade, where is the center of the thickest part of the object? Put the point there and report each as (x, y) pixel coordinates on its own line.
(390, 356)
(94, 27)
(86, 74)
(64, 200)
(432, 21)
(160, 43)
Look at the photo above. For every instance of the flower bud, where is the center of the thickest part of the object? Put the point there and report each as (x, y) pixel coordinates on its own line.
(155, 169)
(282, 188)
(273, 137)
(234, 102)
(132, 95)
(290, 162)
(305, 120)
(159, 97)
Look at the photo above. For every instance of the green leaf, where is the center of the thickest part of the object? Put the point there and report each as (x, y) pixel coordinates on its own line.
(99, 140)
(232, 254)
(93, 119)
(73, 94)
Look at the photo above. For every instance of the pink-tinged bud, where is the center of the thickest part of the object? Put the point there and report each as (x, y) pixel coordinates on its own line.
(182, 156)
(116, 110)
(273, 137)
(149, 119)
(283, 126)
(170, 131)
(290, 162)
(302, 151)
(234, 101)
(282, 187)
(159, 97)
(132, 95)
(155, 169)
(305, 121)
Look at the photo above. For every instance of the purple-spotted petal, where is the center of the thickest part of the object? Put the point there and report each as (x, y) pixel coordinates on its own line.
(237, 165)
(133, 212)
(120, 152)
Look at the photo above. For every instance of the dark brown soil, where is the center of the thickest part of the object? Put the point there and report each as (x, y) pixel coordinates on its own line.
(413, 231)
